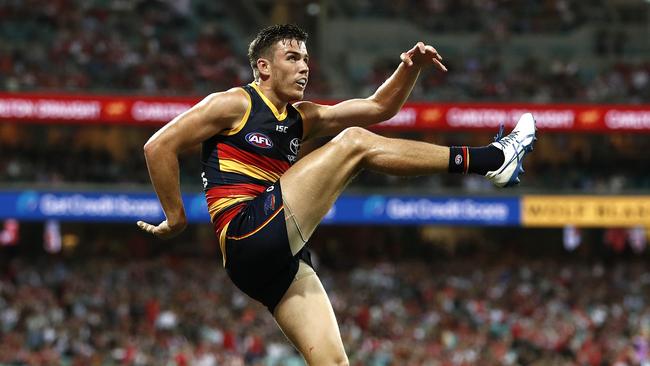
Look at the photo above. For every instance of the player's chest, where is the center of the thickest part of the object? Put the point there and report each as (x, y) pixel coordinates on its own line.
(269, 136)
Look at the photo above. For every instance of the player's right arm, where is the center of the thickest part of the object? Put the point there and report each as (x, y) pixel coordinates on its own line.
(323, 120)
(215, 113)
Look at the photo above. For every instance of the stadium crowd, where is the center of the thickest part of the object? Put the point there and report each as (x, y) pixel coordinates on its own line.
(181, 310)
(497, 16)
(184, 311)
(540, 81)
(181, 48)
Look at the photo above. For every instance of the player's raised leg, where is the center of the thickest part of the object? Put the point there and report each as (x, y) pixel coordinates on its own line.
(311, 186)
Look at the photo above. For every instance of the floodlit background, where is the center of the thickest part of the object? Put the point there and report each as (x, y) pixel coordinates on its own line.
(441, 270)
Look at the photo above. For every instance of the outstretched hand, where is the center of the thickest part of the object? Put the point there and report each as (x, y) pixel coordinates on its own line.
(422, 55)
(163, 230)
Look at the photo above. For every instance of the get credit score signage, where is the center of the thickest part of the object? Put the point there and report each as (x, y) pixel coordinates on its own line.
(123, 207)
(93, 207)
(424, 210)
(585, 211)
(527, 211)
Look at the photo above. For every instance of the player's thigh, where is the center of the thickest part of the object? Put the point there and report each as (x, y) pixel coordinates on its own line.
(306, 317)
(311, 186)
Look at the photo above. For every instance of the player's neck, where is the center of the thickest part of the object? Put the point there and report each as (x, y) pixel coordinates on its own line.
(267, 90)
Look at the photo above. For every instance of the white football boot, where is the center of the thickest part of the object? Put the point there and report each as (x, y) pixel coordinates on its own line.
(515, 146)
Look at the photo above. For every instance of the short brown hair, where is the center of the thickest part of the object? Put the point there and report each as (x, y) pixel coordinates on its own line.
(268, 37)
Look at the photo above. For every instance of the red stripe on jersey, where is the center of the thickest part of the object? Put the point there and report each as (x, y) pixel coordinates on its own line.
(243, 189)
(223, 218)
(226, 151)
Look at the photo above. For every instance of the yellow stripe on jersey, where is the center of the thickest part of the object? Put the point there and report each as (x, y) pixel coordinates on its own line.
(234, 166)
(218, 205)
(244, 119)
(222, 242)
(279, 116)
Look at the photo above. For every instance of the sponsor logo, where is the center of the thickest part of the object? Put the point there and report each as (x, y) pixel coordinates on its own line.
(448, 210)
(259, 140)
(50, 109)
(458, 159)
(269, 204)
(586, 211)
(294, 145)
(155, 111)
(114, 109)
(431, 116)
(282, 129)
(625, 119)
(374, 206)
(270, 189)
(589, 117)
(27, 202)
(81, 205)
(493, 117)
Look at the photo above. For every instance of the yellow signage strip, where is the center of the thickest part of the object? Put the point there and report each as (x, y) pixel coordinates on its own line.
(585, 211)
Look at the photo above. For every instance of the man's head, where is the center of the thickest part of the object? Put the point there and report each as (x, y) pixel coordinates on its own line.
(279, 55)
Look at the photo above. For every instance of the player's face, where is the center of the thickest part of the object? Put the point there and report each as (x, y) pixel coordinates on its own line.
(289, 70)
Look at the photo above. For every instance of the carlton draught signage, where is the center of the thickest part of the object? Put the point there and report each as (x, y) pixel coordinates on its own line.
(589, 211)
(156, 110)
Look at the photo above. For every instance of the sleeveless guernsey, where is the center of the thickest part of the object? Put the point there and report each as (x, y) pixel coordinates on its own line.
(241, 163)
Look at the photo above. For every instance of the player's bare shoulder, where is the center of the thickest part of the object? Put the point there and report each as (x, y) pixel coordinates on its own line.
(227, 107)
(307, 109)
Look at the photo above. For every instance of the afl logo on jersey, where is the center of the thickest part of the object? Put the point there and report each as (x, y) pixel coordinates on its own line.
(259, 140)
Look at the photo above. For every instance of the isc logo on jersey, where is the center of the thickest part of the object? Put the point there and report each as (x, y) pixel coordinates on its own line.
(259, 140)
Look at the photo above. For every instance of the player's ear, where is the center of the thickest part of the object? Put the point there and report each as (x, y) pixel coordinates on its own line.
(264, 67)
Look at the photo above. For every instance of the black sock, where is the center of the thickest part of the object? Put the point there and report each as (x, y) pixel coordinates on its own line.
(479, 160)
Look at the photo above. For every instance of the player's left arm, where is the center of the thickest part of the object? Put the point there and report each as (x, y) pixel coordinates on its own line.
(322, 120)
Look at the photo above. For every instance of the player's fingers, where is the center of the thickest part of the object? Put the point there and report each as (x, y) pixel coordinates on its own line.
(434, 51)
(146, 227)
(406, 59)
(439, 65)
(421, 47)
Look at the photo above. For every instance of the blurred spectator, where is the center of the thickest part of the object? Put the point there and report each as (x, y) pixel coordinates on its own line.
(464, 15)
(477, 78)
(183, 311)
(57, 156)
(168, 47)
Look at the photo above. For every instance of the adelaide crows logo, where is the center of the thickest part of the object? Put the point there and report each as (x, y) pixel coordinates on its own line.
(269, 204)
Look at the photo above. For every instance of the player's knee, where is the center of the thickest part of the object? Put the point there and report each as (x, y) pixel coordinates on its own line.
(354, 138)
(342, 361)
(334, 360)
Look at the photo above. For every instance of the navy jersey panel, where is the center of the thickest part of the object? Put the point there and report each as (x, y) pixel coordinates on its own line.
(260, 262)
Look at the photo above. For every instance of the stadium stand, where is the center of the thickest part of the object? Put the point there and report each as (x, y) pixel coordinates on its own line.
(403, 294)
